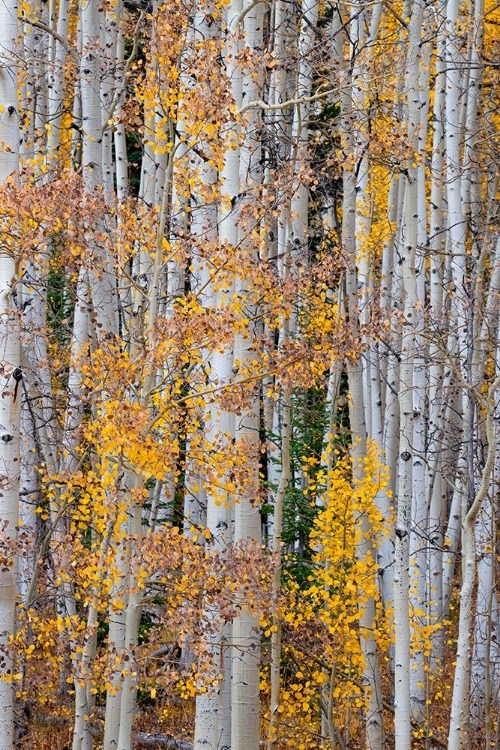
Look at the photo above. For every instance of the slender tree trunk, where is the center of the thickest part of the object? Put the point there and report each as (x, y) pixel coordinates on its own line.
(371, 670)
(11, 375)
(286, 433)
(458, 734)
(245, 659)
(55, 88)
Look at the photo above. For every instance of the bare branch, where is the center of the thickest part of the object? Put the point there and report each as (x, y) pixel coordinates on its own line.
(259, 104)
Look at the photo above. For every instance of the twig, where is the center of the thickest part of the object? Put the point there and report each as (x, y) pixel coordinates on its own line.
(43, 26)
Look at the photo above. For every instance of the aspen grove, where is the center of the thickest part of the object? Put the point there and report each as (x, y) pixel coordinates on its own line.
(250, 374)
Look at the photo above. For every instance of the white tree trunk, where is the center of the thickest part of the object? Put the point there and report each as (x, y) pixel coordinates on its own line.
(101, 271)
(459, 719)
(371, 670)
(9, 500)
(55, 87)
(11, 385)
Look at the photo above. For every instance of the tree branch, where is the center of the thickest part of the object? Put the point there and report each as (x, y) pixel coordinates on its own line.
(258, 103)
(48, 30)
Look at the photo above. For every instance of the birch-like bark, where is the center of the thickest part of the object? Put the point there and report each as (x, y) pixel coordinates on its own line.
(245, 653)
(41, 436)
(371, 669)
(411, 522)
(11, 376)
(133, 534)
(213, 709)
(483, 647)
(110, 65)
(119, 567)
(34, 87)
(102, 283)
(458, 733)
(132, 619)
(436, 489)
(415, 239)
(203, 230)
(285, 477)
(101, 272)
(389, 365)
(30, 495)
(300, 129)
(55, 87)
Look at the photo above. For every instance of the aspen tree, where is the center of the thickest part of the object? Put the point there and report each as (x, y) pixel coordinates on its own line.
(102, 299)
(280, 127)
(245, 653)
(300, 129)
(11, 373)
(462, 313)
(285, 477)
(203, 286)
(435, 486)
(371, 669)
(55, 86)
(414, 237)
(213, 721)
(102, 284)
(458, 718)
(40, 432)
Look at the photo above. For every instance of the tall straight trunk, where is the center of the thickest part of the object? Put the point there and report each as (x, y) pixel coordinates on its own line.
(459, 719)
(101, 271)
(9, 499)
(461, 325)
(111, 64)
(285, 477)
(415, 235)
(371, 668)
(74, 415)
(278, 248)
(484, 614)
(213, 709)
(117, 616)
(245, 655)
(245, 673)
(102, 288)
(30, 493)
(364, 255)
(132, 619)
(55, 87)
(403, 526)
(11, 374)
(411, 508)
(203, 231)
(472, 199)
(34, 87)
(212, 719)
(300, 129)
(436, 488)
(389, 370)
(41, 437)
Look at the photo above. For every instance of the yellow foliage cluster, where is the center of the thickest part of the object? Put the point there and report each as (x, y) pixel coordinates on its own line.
(321, 617)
